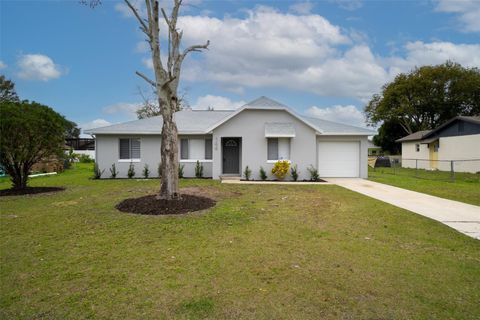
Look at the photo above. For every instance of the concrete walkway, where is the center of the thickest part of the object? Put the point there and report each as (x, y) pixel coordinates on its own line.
(457, 215)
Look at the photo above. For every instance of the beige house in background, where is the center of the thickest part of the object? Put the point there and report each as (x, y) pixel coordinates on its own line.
(456, 142)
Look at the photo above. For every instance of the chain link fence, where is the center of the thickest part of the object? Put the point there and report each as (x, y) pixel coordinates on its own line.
(444, 170)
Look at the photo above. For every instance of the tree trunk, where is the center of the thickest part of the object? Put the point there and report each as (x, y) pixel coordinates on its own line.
(169, 164)
(19, 177)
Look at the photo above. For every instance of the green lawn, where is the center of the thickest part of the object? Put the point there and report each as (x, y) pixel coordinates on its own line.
(264, 252)
(465, 188)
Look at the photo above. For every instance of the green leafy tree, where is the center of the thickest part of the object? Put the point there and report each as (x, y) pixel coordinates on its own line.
(7, 90)
(388, 133)
(427, 97)
(29, 132)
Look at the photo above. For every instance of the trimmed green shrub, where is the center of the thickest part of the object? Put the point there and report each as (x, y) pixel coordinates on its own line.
(294, 172)
(314, 176)
(131, 171)
(247, 173)
(146, 171)
(113, 171)
(263, 174)
(180, 170)
(97, 173)
(198, 170)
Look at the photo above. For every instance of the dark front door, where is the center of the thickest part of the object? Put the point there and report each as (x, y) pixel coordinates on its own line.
(231, 155)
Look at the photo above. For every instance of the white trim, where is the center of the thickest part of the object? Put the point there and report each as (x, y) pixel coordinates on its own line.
(275, 161)
(280, 135)
(195, 160)
(347, 134)
(129, 160)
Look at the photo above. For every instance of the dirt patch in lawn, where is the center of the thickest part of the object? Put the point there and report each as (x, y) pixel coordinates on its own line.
(150, 205)
(29, 191)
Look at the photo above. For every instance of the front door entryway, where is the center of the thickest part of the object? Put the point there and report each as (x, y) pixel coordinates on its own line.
(231, 155)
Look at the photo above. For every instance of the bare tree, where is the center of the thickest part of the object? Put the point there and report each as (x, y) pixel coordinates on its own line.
(166, 82)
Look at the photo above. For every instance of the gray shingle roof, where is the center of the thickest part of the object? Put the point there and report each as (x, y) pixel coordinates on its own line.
(330, 127)
(188, 121)
(202, 121)
(414, 136)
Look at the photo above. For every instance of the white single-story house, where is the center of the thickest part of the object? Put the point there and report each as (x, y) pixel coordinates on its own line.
(456, 142)
(226, 141)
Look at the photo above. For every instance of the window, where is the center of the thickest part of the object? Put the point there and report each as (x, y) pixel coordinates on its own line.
(417, 147)
(195, 149)
(129, 149)
(208, 149)
(278, 149)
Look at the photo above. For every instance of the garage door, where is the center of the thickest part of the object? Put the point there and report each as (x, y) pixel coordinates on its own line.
(339, 159)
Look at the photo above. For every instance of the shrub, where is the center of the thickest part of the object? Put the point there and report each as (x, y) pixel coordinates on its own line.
(294, 172)
(198, 170)
(131, 171)
(247, 173)
(97, 173)
(146, 171)
(159, 170)
(263, 174)
(85, 158)
(113, 171)
(280, 169)
(180, 170)
(314, 176)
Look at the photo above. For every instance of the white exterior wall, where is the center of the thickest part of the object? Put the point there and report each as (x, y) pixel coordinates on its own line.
(362, 140)
(409, 152)
(107, 153)
(451, 148)
(250, 126)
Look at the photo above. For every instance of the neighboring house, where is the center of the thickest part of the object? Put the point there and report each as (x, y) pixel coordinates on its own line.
(457, 139)
(225, 142)
(85, 144)
(373, 150)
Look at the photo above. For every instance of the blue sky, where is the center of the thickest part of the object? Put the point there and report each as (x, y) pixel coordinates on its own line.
(322, 58)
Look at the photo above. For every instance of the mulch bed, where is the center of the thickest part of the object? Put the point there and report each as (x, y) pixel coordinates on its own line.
(150, 205)
(29, 190)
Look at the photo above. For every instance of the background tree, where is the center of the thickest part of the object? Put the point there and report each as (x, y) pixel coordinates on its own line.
(29, 132)
(388, 133)
(425, 98)
(167, 78)
(7, 90)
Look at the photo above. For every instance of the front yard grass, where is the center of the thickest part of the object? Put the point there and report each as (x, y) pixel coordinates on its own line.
(465, 188)
(263, 252)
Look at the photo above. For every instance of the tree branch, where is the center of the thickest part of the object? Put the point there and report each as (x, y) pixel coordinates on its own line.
(198, 47)
(144, 77)
(144, 27)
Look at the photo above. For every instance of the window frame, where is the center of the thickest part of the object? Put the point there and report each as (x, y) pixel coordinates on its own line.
(188, 159)
(289, 139)
(129, 159)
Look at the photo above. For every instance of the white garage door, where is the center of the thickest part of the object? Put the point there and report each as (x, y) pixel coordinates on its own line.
(339, 159)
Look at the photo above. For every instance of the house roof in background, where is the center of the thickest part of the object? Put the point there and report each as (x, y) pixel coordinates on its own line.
(424, 134)
(414, 136)
(203, 121)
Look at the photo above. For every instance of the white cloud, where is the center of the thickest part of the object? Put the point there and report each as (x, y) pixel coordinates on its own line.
(216, 102)
(468, 12)
(302, 7)
(419, 53)
(343, 114)
(2, 65)
(97, 123)
(349, 5)
(38, 67)
(123, 108)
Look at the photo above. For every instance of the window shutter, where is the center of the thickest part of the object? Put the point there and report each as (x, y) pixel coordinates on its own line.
(135, 151)
(183, 148)
(208, 148)
(272, 149)
(124, 148)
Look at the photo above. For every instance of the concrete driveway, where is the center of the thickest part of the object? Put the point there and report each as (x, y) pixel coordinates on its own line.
(457, 215)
